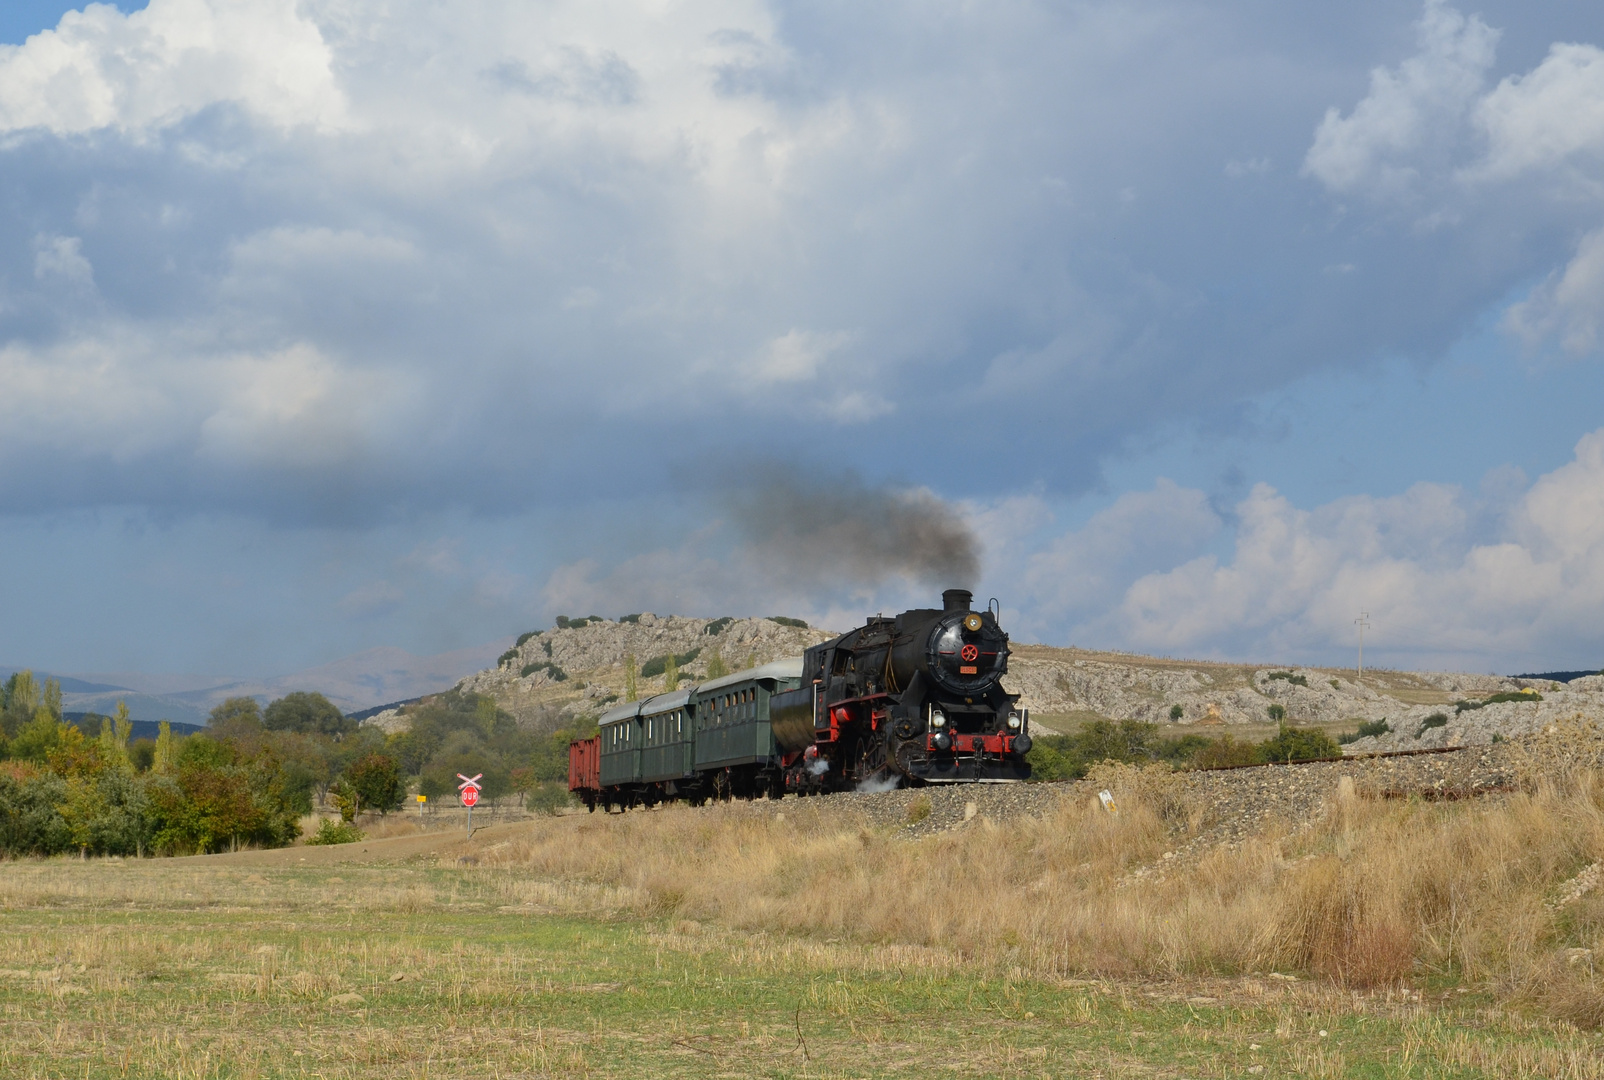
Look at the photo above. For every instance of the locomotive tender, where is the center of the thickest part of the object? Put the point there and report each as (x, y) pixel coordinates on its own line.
(907, 700)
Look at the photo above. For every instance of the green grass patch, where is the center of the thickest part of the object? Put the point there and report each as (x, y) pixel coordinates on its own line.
(152, 971)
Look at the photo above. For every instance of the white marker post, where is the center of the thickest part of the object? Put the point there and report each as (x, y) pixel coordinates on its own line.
(469, 789)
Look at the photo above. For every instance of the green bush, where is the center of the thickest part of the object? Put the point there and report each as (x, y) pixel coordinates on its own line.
(335, 832)
(1514, 695)
(659, 664)
(1176, 712)
(635, 618)
(557, 674)
(108, 813)
(716, 627)
(1366, 729)
(783, 621)
(30, 821)
(549, 797)
(1299, 744)
(1068, 757)
(525, 636)
(1436, 719)
(1225, 752)
(510, 654)
(919, 809)
(1277, 713)
(1295, 680)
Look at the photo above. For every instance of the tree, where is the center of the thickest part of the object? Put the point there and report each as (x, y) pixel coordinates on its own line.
(204, 809)
(1277, 713)
(375, 780)
(306, 713)
(629, 678)
(523, 778)
(715, 667)
(671, 672)
(162, 760)
(39, 738)
(107, 813)
(21, 701)
(114, 732)
(1176, 712)
(216, 799)
(236, 712)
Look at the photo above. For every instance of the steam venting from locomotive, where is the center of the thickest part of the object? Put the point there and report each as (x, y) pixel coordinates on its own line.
(865, 534)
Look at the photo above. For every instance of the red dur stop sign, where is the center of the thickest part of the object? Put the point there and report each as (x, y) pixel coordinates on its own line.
(470, 796)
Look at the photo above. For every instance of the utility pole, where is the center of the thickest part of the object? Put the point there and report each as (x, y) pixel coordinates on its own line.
(1362, 622)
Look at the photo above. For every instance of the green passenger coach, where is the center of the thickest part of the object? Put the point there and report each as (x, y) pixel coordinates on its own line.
(668, 753)
(704, 742)
(734, 740)
(618, 731)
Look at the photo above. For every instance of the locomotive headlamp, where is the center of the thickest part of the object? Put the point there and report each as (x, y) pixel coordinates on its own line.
(938, 718)
(1013, 721)
(971, 622)
(942, 740)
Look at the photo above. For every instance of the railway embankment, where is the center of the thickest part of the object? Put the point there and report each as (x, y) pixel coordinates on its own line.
(1209, 807)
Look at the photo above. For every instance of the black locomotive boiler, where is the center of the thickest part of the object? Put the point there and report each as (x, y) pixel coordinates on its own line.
(914, 698)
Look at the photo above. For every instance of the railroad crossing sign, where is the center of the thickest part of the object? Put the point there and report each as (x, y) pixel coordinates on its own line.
(470, 795)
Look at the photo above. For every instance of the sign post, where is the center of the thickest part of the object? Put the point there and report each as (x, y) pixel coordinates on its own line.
(421, 800)
(470, 795)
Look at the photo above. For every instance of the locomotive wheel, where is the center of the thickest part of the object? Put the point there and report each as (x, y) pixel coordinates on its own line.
(871, 758)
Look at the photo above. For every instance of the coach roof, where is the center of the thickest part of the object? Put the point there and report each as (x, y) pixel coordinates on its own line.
(788, 668)
(664, 702)
(619, 713)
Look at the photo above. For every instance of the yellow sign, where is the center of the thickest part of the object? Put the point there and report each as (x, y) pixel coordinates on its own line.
(423, 798)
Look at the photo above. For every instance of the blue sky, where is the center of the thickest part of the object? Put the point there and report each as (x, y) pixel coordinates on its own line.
(332, 324)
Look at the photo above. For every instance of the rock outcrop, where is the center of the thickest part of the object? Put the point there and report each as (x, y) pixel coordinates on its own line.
(575, 671)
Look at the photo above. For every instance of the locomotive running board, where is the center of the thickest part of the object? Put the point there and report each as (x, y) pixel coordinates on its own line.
(965, 780)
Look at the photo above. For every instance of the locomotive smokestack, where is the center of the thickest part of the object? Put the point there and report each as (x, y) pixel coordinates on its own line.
(956, 600)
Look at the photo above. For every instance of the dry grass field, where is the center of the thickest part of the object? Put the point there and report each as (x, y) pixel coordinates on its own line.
(1390, 938)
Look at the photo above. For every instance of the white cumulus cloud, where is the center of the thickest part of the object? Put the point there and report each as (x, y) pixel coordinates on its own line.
(1439, 585)
(1411, 111)
(102, 69)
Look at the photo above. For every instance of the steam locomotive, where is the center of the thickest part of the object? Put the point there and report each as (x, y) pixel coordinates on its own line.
(907, 700)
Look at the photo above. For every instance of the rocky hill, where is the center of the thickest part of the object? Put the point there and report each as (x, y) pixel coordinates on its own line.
(1064, 687)
(556, 675)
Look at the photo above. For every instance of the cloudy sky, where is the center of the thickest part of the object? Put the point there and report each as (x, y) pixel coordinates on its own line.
(1181, 328)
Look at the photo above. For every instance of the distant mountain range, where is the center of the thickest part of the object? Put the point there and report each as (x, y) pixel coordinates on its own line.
(355, 683)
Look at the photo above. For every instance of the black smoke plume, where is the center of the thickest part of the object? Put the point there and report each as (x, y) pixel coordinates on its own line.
(844, 530)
